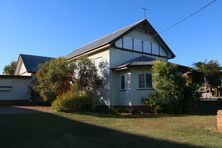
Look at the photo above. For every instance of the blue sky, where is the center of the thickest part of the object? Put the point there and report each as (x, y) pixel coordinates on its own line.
(56, 27)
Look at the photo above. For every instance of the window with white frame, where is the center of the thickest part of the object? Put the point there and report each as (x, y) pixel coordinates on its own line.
(149, 83)
(145, 80)
(122, 82)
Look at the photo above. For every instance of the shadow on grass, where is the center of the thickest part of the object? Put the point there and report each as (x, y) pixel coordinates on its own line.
(42, 130)
(128, 116)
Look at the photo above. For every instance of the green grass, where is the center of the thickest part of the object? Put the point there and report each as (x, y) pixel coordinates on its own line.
(93, 130)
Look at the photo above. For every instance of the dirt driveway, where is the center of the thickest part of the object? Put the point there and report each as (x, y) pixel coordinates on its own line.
(24, 109)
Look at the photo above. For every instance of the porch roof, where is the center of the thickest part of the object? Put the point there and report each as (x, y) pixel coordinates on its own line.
(138, 61)
(145, 61)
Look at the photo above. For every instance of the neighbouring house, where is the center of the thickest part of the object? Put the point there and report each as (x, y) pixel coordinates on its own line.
(16, 87)
(127, 56)
(27, 65)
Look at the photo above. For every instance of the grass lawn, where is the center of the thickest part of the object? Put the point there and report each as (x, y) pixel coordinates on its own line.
(77, 130)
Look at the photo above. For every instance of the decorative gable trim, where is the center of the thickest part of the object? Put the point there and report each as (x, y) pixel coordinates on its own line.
(113, 37)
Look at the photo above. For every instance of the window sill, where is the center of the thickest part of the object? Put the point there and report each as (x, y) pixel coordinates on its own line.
(145, 89)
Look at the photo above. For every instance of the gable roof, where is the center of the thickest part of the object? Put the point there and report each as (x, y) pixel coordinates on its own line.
(113, 37)
(31, 62)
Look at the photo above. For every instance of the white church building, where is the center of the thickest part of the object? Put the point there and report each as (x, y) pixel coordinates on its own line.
(128, 55)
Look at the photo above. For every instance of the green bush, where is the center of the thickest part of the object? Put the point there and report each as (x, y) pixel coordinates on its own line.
(168, 84)
(70, 102)
(154, 103)
(158, 104)
(53, 79)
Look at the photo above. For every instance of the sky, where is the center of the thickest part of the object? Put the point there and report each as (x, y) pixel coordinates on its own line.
(57, 27)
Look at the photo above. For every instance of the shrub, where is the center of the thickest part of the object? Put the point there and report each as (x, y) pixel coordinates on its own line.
(154, 103)
(168, 84)
(57, 76)
(72, 101)
(54, 78)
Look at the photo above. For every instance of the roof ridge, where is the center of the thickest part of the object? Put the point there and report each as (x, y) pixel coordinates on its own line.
(34, 55)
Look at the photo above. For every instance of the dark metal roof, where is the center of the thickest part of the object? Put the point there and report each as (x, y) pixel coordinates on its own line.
(31, 62)
(139, 61)
(100, 42)
(146, 61)
(114, 37)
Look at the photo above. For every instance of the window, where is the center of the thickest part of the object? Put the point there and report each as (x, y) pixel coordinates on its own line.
(155, 48)
(119, 43)
(149, 81)
(122, 79)
(145, 81)
(162, 52)
(137, 45)
(127, 42)
(146, 47)
(141, 81)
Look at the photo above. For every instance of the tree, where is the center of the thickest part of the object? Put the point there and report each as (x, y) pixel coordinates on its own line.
(86, 76)
(54, 78)
(168, 84)
(10, 69)
(167, 81)
(211, 72)
(57, 76)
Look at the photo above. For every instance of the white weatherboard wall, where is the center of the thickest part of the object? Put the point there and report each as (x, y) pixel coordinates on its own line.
(132, 95)
(15, 88)
(98, 58)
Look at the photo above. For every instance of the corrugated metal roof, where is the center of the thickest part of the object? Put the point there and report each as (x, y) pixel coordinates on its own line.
(31, 62)
(138, 61)
(146, 61)
(113, 36)
(102, 41)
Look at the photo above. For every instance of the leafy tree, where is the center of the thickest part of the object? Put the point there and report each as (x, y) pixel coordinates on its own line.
(210, 72)
(10, 69)
(86, 76)
(193, 83)
(54, 78)
(168, 84)
(85, 73)
(167, 80)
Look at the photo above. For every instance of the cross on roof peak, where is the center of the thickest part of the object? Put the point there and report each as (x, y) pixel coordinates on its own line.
(144, 11)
